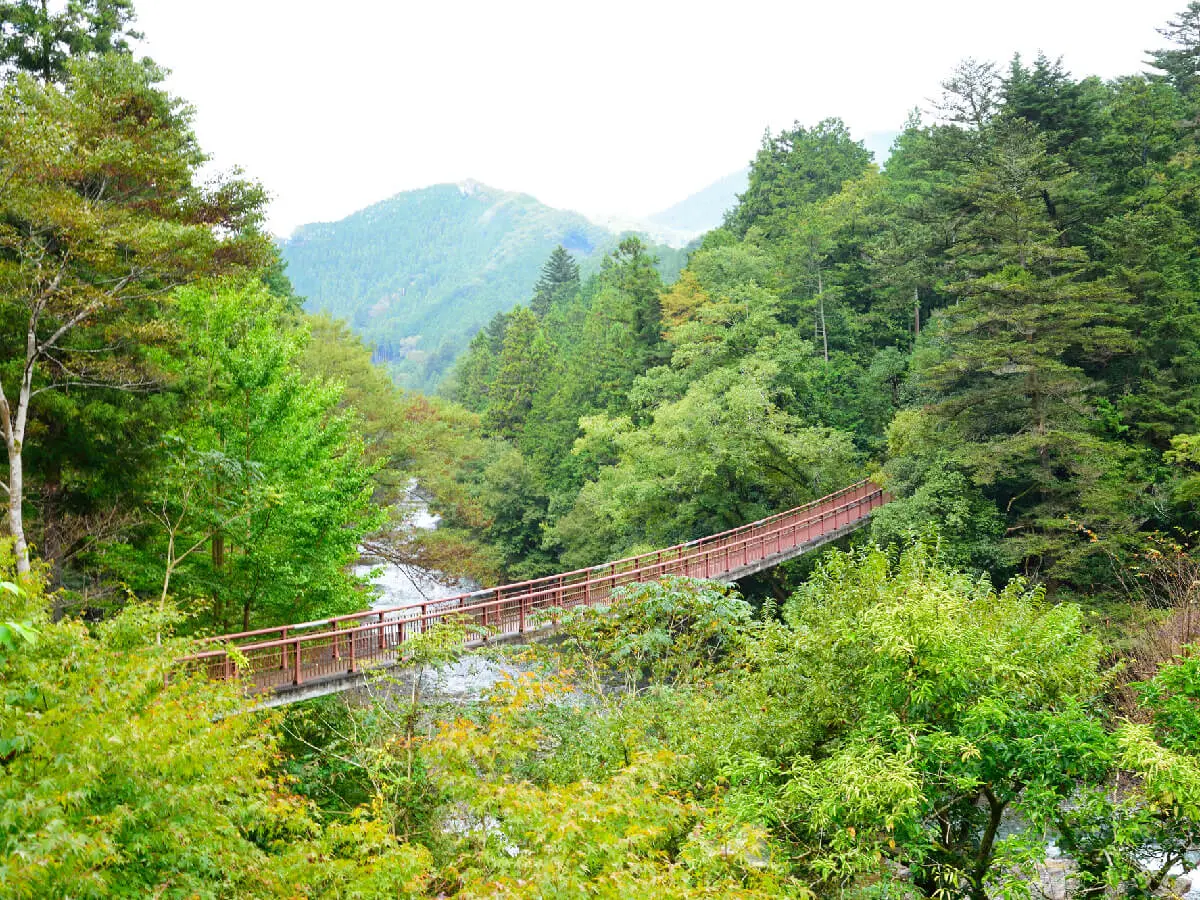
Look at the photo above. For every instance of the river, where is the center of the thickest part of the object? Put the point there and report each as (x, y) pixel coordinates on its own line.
(399, 585)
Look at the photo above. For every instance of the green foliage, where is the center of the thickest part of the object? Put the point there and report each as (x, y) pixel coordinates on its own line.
(525, 361)
(558, 282)
(797, 167)
(673, 630)
(625, 835)
(722, 455)
(1180, 63)
(263, 492)
(41, 41)
(899, 712)
(166, 788)
(102, 213)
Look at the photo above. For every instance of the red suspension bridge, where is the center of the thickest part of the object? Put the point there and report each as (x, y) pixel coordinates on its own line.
(292, 662)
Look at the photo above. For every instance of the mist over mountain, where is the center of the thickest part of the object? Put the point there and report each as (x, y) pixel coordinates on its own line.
(706, 208)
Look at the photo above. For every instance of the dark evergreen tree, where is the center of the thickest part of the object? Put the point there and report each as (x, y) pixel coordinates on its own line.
(1046, 96)
(559, 282)
(520, 371)
(1011, 363)
(1181, 62)
(630, 269)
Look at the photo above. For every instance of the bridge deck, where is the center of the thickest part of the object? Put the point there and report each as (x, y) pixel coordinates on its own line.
(310, 658)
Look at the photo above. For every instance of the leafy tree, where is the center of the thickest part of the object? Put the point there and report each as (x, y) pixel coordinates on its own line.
(265, 493)
(101, 214)
(676, 630)
(626, 833)
(168, 788)
(722, 455)
(36, 39)
(934, 488)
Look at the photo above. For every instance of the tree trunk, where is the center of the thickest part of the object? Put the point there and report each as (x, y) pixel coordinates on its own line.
(983, 861)
(16, 495)
(13, 428)
(916, 313)
(821, 308)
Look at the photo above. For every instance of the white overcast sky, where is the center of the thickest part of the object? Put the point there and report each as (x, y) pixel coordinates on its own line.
(614, 107)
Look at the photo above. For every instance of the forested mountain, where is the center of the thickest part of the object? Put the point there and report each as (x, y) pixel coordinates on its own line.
(416, 275)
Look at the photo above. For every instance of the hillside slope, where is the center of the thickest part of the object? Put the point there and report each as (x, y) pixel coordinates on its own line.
(416, 275)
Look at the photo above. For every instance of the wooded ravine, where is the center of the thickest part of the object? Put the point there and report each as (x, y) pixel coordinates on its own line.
(999, 325)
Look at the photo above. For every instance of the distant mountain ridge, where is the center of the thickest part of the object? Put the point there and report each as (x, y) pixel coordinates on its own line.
(705, 209)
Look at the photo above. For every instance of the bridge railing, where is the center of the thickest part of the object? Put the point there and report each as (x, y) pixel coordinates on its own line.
(295, 653)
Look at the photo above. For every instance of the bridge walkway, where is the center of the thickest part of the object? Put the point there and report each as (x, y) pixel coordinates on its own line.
(293, 662)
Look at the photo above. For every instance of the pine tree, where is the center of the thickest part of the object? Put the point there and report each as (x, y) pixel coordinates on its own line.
(1010, 362)
(559, 281)
(1181, 62)
(521, 369)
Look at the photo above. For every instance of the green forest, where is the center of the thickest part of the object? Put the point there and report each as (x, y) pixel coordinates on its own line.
(1000, 327)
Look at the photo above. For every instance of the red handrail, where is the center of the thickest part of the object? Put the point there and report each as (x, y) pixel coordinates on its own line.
(281, 660)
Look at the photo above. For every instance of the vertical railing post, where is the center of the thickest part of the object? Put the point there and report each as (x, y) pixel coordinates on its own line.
(297, 675)
(350, 637)
(283, 649)
(521, 626)
(382, 632)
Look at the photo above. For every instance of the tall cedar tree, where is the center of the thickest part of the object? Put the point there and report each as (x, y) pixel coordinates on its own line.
(1015, 350)
(558, 283)
(521, 370)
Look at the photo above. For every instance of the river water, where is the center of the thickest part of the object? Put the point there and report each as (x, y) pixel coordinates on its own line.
(399, 585)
